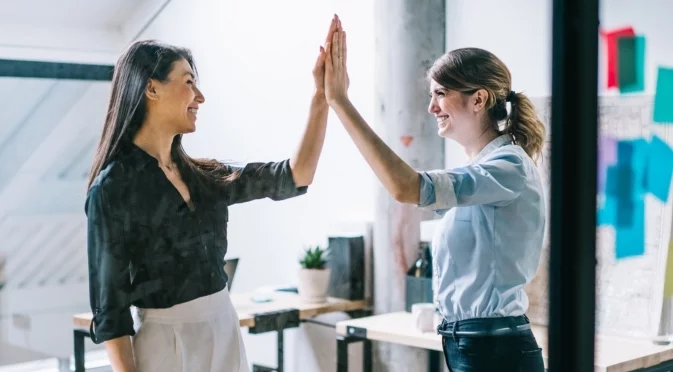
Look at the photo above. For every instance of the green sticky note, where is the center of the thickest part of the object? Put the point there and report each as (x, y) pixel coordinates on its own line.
(663, 100)
(631, 65)
(668, 275)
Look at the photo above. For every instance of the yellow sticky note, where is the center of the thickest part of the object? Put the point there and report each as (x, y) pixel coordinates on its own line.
(668, 275)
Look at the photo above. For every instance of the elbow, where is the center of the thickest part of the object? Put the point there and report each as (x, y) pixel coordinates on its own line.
(304, 181)
(408, 192)
(405, 195)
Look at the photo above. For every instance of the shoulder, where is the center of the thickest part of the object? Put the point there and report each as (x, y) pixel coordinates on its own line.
(110, 186)
(508, 154)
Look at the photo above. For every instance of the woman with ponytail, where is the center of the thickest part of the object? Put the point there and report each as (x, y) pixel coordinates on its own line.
(487, 246)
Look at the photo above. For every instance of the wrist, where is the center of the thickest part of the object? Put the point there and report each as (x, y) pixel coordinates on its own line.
(338, 102)
(319, 97)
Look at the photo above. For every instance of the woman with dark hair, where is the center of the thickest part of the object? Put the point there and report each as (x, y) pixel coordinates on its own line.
(157, 218)
(488, 244)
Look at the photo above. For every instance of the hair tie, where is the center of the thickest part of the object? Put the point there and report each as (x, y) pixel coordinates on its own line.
(511, 97)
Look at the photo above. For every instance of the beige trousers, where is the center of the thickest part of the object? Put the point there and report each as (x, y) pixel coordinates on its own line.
(202, 335)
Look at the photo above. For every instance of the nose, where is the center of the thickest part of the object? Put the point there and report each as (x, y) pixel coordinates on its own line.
(433, 108)
(199, 96)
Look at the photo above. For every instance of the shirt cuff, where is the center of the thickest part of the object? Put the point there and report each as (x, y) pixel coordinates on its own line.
(287, 187)
(437, 192)
(110, 325)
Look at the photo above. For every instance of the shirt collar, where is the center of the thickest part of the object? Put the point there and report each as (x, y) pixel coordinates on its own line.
(499, 141)
(137, 158)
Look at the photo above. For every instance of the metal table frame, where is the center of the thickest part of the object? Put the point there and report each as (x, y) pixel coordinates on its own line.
(274, 321)
(358, 334)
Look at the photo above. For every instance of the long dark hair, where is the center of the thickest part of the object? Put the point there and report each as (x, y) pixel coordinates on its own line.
(468, 69)
(140, 62)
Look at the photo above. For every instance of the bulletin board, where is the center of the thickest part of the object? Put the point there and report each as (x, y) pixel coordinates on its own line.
(629, 291)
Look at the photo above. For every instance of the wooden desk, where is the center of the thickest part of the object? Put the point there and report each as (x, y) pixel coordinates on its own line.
(285, 310)
(613, 354)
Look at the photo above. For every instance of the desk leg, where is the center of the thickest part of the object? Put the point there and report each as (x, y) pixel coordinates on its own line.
(366, 356)
(280, 352)
(342, 354)
(79, 349)
(435, 362)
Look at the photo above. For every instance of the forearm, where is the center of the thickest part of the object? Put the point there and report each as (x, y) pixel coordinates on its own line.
(401, 181)
(305, 160)
(120, 353)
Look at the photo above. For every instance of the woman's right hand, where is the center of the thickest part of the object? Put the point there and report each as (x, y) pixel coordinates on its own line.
(336, 75)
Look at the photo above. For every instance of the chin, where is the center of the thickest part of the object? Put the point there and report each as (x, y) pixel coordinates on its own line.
(188, 129)
(444, 132)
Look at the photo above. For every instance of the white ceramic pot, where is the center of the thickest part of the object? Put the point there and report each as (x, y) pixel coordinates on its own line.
(313, 284)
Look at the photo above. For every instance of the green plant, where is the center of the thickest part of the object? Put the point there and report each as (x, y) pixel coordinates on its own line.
(314, 258)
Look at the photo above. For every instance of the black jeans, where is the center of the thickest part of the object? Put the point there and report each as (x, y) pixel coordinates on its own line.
(513, 351)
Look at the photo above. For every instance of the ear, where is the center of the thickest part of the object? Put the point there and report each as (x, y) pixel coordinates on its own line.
(480, 98)
(151, 91)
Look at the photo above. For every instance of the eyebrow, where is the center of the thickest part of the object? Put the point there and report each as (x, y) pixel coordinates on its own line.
(189, 73)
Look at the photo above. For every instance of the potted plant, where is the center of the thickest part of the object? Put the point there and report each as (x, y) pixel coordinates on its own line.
(313, 275)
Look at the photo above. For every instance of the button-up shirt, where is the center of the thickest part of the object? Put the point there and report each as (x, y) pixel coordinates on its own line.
(487, 246)
(147, 247)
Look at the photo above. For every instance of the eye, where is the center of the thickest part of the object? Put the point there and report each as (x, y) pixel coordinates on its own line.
(190, 82)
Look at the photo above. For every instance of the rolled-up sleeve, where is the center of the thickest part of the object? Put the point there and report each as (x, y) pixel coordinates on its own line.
(263, 180)
(497, 181)
(109, 259)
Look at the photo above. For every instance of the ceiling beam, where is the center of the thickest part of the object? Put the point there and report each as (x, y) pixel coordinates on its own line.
(91, 45)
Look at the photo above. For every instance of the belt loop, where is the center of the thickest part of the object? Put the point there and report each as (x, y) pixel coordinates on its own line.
(453, 332)
(526, 317)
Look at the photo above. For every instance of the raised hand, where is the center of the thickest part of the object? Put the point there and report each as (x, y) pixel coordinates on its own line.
(336, 75)
(319, 68)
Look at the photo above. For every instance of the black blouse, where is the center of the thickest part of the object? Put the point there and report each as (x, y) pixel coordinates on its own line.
(148, 248)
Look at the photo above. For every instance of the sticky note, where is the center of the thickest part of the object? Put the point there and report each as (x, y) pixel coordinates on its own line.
(668, 274)
(607, 155)
(631, 64)
(659, 169)
(607, 213)
(611, 38)
(625, 178)
(663, 100)
(630, 240)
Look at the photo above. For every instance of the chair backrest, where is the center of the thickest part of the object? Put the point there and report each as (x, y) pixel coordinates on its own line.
(230, 269)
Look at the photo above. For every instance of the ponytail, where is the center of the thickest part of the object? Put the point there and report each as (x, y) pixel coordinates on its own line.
(524, 126)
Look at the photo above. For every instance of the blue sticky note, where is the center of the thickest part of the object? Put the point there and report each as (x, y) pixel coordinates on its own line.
(625, 178)
(663, 100)
(659, 169)
(607, 213)
(630, 240)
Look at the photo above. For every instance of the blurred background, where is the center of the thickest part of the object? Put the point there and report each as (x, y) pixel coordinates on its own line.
(254, 60)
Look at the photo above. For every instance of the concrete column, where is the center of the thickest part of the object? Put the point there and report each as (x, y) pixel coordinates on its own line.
(409, 37)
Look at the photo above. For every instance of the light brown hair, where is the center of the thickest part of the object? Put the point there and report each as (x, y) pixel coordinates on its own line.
(467, 70)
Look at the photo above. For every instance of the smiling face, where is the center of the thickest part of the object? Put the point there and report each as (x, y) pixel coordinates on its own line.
(459, 115)
(175, 102)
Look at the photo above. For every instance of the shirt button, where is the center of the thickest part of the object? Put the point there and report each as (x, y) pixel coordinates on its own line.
(212, 275)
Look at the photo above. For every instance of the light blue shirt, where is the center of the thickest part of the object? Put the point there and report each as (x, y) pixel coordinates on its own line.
(487, 246)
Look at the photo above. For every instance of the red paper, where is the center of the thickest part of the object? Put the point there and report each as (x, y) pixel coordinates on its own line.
(612, 53)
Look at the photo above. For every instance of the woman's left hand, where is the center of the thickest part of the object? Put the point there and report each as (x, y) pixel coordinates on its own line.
(336, 75)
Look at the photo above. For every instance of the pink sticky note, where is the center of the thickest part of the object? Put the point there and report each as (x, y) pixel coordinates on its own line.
(611, 38)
